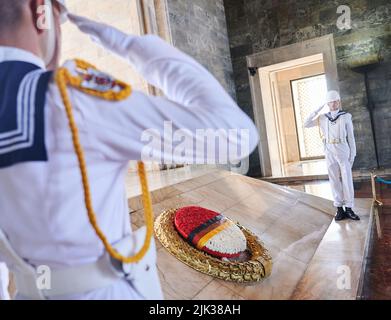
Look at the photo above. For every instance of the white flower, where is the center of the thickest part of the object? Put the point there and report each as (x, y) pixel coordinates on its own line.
(230, 241)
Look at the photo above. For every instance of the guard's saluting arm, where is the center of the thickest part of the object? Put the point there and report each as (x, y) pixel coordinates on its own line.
(193, 100)
(312, 119)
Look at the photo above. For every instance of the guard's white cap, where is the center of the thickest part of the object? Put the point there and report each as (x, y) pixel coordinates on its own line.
(64, 10)
(332, 95)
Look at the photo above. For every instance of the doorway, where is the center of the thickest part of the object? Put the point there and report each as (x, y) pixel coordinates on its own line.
(287, 84)
(291, 91)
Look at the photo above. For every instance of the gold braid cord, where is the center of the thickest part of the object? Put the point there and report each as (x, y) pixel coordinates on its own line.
(108, 95)
(63, 79)
(255, 269)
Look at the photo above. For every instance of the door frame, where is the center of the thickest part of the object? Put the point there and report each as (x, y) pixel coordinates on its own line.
(323, 45)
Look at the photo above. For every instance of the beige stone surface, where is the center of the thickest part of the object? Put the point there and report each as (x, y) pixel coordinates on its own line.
(338, 259)
(215, 289)
(178, 280)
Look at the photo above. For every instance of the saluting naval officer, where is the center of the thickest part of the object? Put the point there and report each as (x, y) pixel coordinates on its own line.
(43, 216)
(340, 150)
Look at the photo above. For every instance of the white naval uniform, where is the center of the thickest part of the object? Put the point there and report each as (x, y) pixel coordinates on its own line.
(340, 152)
(42, 208)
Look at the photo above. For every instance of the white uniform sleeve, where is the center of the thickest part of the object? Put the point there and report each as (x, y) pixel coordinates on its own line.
(312, 119)
(350, 137)
(4, 282)
(194, 102)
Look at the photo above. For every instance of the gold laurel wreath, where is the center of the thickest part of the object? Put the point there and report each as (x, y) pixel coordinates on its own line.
(258, 267)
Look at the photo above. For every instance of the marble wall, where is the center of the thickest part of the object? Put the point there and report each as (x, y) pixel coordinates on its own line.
(199, 28)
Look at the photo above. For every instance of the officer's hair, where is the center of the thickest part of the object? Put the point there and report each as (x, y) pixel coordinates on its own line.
(10, 13)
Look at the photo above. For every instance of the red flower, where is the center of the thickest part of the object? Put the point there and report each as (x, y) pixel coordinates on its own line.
(193, 222)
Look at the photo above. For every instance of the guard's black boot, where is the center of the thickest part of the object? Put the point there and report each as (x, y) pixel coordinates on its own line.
(351, 215)
(340, 214)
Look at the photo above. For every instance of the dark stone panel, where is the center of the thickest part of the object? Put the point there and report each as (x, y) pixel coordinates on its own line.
(199, 28)
(254, 168)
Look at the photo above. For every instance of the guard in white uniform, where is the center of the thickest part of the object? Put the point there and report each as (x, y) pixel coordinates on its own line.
(340, 150)
(43, 219)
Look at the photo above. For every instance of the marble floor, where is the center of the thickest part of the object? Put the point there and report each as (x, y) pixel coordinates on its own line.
(309, 170)
(307, 247)
(377, 278)
(310, 251)
(319, 188)
(305, 168)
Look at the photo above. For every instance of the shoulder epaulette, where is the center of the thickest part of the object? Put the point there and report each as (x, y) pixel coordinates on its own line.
(89, 79)
(331, 119)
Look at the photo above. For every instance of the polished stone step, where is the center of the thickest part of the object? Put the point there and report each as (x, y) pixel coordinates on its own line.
(296, 227)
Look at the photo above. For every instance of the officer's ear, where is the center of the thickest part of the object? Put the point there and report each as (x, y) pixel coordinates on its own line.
(41, 13)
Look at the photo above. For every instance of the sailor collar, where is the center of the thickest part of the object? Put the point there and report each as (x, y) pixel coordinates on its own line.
(334, 119)
(22, 102)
